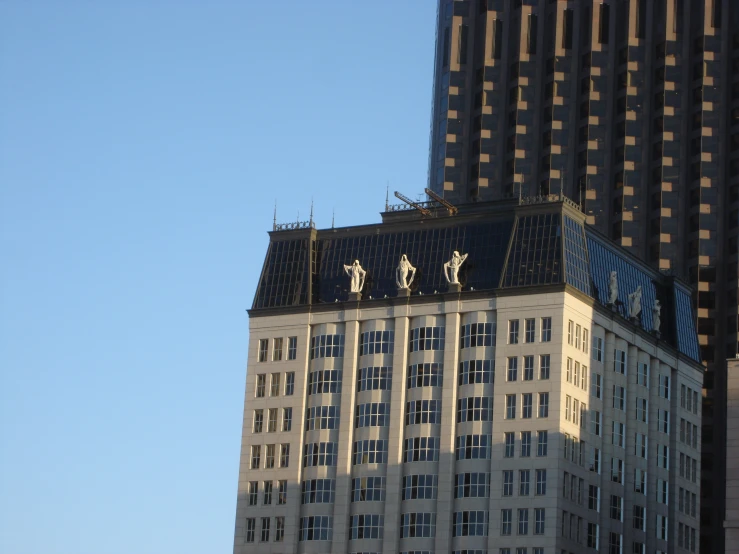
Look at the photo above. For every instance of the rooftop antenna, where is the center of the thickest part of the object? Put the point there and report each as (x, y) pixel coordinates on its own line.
(387, 196)
(333, 215)
(448, 205)
(274, 218)
(413, 204)
(311, 212)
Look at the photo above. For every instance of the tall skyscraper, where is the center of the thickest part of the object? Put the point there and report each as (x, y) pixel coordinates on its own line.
(631, 109)
(506, 381)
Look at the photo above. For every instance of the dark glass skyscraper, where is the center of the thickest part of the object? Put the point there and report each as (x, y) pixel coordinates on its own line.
(630, 108)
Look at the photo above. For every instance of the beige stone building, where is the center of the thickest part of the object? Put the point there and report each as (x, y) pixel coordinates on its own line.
(519, 411)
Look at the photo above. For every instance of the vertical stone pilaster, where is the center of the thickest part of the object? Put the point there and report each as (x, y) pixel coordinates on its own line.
(340, 540)
(393, 498)
(445, 501)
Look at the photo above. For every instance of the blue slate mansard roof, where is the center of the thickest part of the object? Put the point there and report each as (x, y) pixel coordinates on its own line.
(511, 244)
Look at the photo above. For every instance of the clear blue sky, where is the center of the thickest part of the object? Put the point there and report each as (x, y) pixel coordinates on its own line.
(142, 148)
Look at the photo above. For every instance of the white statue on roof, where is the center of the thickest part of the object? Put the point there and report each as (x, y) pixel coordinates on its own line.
(451, 268)
(357, 274)
(635, 303)
(656, 316)
(613, 288)
(404, 273)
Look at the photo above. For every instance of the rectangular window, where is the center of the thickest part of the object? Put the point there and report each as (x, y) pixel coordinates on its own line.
(263, 349)
(277, 349)
(523, 482)
(596, 384)
(663, 456)
(526, 405)
(642, 375)
(617, 470)
(528, 368)
(525, 444)
(279, 529)
(576, 375)
(423, 449)
(497, 41)
(512, 374)
(531, 42)
(570, 331)
(585, 336)
(584, 378)
(253, 493)
(568, 375)
(568, 30)
(568, 407)
(642, 409)
(530, 328)
(640, 445)
(661, 530)
(546, 329)
(595, 423)
(272, 420)
(287, 419)
(541, 482)
(506, 518)
(508, 482)
(282, 492)
(663, 421)
(256, 451)
(595, 460)
(510, 406)
(640, 481)
(372, 489)
(423, 486)
(594, 498)
(510, 445)
(473, 447)
(616, 507)
(541, 446)
(513, 331)
(619, 362)
(285, 455)
(544, 366)
(417, 524)
(292, 348)
(543, 404)
(662, 492)
(462, 57)
(275, 388)
(598, 349)
(265, 530)
(619, 398)
(261, 385)
(664, 386)
(258, 421)
(617, 434)
(523, 521)
(639, 520)
(267, 494)
(269, 457)
(251, 525)
(578, 330)
(289, 383)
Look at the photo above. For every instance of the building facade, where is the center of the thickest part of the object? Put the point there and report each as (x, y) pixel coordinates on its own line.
(631, 109)
(531, 408)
